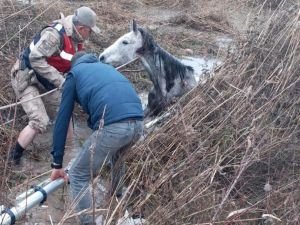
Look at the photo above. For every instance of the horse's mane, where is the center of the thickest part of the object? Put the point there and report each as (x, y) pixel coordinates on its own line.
(172, 66)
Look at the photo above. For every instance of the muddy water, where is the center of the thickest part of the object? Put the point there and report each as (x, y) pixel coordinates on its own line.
(201, 66)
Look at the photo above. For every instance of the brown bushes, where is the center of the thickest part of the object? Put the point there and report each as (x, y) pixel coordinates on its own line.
(233, 143)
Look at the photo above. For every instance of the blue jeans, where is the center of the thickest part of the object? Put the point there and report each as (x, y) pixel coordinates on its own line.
(112, 141)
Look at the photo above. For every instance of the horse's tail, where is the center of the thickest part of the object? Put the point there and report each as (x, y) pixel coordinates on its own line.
(189, 80)
(191, 69)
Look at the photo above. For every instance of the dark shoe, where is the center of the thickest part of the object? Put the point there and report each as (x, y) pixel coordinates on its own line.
(15, 157)
(16, 154)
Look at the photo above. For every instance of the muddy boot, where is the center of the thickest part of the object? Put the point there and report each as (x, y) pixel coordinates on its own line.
(16, 154)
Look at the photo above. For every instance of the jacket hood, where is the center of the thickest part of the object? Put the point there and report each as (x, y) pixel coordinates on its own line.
(87, 58)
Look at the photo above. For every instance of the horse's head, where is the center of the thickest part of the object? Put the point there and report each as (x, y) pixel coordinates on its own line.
(125, 48)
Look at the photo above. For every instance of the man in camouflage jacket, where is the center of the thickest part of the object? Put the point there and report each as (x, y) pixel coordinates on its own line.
(41, 67)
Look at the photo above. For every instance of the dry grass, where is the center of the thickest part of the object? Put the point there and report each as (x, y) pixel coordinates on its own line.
(209, 23)
(231, 144)
(165, 3)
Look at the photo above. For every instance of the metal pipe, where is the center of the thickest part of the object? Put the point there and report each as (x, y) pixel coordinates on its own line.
(156, 120)
(9, 216)
(30, 191)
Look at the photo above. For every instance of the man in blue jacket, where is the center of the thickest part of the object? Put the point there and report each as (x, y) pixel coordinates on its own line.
(103, 93)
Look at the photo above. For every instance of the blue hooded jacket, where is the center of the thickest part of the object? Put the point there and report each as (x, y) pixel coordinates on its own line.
(94, 86)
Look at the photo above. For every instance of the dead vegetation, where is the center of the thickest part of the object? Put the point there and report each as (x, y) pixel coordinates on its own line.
(210, 23)
(230, 152)
(166, 3)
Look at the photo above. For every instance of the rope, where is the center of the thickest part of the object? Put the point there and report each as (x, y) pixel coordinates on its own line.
(18, 103)
(49, 92)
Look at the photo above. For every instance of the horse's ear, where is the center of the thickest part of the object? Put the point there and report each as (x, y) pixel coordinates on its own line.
(133, 26)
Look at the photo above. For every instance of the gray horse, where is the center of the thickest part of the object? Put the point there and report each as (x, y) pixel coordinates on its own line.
(169, 76)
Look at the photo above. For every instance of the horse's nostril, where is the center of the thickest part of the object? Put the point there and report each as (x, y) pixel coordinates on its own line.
(102, 58)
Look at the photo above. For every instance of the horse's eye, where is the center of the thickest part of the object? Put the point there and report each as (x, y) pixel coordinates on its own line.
(125, 42)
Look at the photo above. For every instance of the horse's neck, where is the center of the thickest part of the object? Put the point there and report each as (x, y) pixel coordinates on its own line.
(153, 61)
(151, 64)
(148, 62)
(160, 63)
